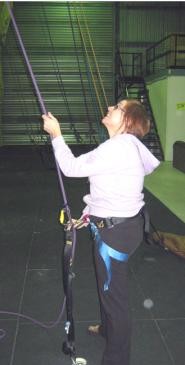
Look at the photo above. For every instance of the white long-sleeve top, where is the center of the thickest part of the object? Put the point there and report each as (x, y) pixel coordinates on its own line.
(116, 170)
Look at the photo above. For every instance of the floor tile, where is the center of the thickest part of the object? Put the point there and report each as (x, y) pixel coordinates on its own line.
(147, 345)
(6, 343)
(11, 285)
(173, 332)
(158, 274)
(43, 295)
(47, 248)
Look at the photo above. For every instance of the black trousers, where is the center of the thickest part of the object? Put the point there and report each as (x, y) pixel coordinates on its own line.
(114, 302)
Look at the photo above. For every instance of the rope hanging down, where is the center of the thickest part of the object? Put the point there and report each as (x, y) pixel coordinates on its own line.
(94, 56)
(68, 346)
(91, 129)
(41, 103)
(90, 79)
(89, 61)
(13, 69)
(59, 78)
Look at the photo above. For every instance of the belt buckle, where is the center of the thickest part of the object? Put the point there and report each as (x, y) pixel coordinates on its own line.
(100, 224)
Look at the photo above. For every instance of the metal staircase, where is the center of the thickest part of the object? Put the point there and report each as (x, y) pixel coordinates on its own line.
(134, 87)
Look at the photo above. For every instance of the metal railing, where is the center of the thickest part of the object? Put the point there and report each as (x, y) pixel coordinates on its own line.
(167, 53)
(128, 65)
(131, 63)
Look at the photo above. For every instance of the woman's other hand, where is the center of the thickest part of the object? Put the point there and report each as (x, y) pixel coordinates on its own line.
(51, 125)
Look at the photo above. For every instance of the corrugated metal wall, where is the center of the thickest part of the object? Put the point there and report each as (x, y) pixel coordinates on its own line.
(4, 22)
(144, 23)
(59, 38)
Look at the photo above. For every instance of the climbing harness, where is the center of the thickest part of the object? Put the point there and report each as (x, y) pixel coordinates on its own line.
(69, 248)
(107, 252)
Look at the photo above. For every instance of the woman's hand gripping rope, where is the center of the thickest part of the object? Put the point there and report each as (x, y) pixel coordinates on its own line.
(51, 125)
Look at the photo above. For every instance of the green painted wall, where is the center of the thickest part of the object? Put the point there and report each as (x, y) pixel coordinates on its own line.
(175, 128)
(165, 94)
(59, 38)
(4, 23)
(1, 98)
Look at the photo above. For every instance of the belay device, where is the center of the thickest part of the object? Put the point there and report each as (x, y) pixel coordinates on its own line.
(68, 275)
(70, 231)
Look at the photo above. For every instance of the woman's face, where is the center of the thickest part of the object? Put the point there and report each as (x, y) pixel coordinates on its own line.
(114, 119)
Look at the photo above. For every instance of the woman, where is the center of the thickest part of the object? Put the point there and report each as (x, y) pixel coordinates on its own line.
(116, 171)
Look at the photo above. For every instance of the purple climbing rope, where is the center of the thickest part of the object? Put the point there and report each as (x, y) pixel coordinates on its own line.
(41, 103)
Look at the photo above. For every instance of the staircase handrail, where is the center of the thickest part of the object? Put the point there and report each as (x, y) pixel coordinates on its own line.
(121, 71)
(163, 54)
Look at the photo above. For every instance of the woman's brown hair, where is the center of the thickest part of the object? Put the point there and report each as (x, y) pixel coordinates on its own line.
(135, 118)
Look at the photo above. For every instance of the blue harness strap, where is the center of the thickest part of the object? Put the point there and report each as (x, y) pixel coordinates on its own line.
(107, 252)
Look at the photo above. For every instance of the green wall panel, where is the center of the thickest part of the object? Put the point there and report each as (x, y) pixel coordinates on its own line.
(4, 23)
(165, 95)
(65, 43)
